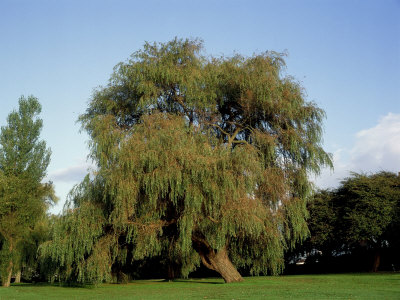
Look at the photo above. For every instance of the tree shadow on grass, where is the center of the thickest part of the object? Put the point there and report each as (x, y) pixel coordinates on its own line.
(90, 286)
(49, 284)
(207, 281)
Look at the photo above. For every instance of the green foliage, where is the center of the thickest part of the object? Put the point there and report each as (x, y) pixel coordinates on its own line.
(23, 197)
(362, 209)
(323, 221)
(21, 153)
(75, 234)
(194, 149)
(361, 213)
(368, 206)
(31, 267)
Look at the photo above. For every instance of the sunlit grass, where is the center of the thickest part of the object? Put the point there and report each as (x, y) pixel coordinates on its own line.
(336, 286)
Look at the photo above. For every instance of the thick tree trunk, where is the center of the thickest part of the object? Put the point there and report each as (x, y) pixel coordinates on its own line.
(7, 280)
(377, 261)
(217, 261)
(173, 271)
(18, 277)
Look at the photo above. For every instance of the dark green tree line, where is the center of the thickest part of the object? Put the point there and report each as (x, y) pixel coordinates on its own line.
(199, 159)
(362, 214)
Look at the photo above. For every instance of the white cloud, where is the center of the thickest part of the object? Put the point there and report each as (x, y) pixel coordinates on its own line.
(64, 179)
(378, 148)
(71, 174)
(375, 149)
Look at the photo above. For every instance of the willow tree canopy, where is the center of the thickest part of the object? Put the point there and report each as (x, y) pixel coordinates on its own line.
(199, 159)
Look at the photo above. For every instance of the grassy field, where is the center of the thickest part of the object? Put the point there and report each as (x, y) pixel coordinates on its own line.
(336, 286)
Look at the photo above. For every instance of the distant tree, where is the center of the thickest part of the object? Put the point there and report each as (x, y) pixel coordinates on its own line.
(23, 196)
(368, 208)
(199, 159)
(323, 222)
(362, 212)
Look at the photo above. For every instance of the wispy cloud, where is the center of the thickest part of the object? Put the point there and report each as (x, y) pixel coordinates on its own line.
(65, 178)
(71, 174)
(375, 149)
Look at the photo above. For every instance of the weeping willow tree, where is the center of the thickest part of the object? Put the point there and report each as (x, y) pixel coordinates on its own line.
(199, 160)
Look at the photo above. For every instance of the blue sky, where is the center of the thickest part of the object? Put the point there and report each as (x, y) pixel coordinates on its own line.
(346, 54)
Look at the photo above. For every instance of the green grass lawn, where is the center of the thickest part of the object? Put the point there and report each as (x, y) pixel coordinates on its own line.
(336, 286)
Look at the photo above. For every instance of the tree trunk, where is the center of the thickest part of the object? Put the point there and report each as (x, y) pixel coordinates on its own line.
(7, 280)
(377, 261)
(173, 271)
(217, 261)
(171, 274)
(18, 277)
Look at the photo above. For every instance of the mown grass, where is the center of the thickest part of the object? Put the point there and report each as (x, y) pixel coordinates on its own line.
(336, 286)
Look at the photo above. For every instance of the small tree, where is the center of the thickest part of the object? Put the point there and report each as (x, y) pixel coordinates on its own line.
(199, 159)
(23, 197)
